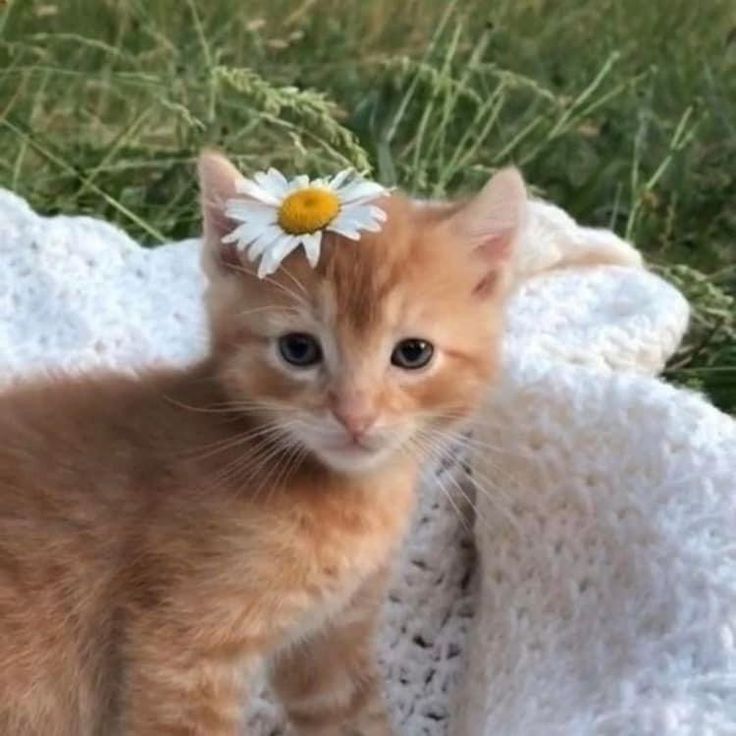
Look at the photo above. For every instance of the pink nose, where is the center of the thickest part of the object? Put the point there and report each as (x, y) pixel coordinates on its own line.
(357, 422)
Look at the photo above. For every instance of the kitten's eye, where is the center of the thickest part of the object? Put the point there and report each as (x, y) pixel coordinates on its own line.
(412, 353)
(300, 349)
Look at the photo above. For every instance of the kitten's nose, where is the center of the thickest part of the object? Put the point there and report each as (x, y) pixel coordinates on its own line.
(356, 416)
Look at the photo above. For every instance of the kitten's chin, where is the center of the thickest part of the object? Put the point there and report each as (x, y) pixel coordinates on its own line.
(333, 448)
(354, 459)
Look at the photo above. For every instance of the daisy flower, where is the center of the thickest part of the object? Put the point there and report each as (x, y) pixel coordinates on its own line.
(276, 215)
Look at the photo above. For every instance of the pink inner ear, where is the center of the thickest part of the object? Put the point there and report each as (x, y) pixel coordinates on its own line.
(216, 226)
(497, 247)
(492, 219)
(218, 184)
(218, 223)
(495, 251)
(487, 285)
(229, 256)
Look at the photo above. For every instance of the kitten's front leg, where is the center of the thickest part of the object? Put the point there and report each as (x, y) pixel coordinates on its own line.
(176, 688)
(330, 684)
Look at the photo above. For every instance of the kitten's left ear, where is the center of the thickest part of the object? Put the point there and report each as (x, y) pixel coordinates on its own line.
(218, 179)
(491, 225)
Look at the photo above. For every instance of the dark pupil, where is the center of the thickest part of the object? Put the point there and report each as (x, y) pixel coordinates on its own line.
(412, 354)
(299, 349)
(413, 351)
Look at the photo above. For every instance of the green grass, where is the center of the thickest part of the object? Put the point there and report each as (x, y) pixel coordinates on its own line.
(622, 111)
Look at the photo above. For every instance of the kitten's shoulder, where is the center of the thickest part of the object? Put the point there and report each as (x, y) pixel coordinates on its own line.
(91, 409)
(56, 389)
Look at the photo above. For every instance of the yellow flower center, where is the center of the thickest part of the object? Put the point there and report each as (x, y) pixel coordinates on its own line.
(308, 210)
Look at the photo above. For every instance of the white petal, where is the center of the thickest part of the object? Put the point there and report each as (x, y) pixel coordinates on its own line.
(266, 268)
(358, 212)
(265, 240)
(256, 221)
(344, 230)
(360, 190)
(339, 178)
(272, 258)
(261, 221)
(298, 182)
(272, 181)
(357, 226)
(378, 213)
(243, 235)
(234, 235)
(277, 175)
(361, 217)
(355, 219)
(371, 226)
(312, 245)
(250, 188)
(284, 248)
(345, 220)
(245, 209)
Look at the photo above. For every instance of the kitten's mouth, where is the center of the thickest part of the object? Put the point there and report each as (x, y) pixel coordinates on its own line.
(351, 455)
(345, 453)
(350, 444)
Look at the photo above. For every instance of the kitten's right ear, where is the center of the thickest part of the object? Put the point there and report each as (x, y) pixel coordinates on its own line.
(218, 179)
(491, 224)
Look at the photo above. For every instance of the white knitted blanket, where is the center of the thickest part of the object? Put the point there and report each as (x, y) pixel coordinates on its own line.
(593, 591)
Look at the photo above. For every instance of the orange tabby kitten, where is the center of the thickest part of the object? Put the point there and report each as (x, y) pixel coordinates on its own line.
(162, 535)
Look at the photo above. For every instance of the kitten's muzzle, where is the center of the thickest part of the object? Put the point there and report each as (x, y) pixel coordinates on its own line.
(355, 414)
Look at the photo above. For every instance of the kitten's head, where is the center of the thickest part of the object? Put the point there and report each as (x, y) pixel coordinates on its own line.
(386, 343)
